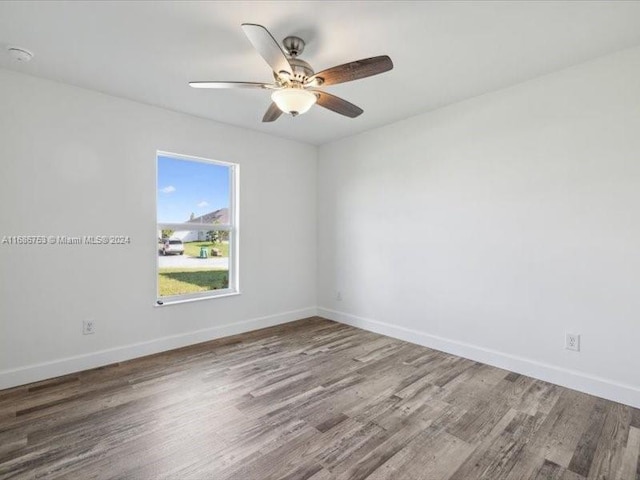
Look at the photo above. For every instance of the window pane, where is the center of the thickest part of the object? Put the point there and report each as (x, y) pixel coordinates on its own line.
(195, 227)
(193, 266)
(192, 191)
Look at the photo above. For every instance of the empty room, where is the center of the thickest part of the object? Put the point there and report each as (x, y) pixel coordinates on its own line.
(320, 240)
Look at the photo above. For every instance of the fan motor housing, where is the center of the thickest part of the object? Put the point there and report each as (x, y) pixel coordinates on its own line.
(301, 69)
(294, 46)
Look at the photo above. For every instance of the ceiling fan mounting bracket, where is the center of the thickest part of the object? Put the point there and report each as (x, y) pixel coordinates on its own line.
(294, 46)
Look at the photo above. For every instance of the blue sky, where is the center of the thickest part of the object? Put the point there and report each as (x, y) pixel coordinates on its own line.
(188, 186)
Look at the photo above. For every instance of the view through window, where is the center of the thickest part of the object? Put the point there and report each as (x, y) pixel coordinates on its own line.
(196, 228)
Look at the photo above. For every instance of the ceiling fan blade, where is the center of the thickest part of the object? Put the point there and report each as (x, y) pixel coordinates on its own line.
(228, 85)
(267, 46)
(272, 113)
(353, 70)
(337, 104)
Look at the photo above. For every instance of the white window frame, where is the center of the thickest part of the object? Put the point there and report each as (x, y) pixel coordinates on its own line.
(231, 227)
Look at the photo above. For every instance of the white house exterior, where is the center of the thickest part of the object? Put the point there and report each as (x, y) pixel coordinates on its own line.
(190, 235)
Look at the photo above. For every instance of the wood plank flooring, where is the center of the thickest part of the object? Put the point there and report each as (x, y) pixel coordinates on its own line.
(312, 400)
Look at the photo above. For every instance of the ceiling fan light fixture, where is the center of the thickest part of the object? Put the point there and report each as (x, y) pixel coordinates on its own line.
(294, 101)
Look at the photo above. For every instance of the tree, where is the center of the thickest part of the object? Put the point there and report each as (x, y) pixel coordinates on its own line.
(167, 233)
(214, 236)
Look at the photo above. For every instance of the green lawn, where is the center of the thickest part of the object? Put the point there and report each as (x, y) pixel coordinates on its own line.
(192, 249)
(178, 281)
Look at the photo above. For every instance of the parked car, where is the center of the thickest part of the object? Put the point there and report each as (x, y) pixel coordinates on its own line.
(170, 246)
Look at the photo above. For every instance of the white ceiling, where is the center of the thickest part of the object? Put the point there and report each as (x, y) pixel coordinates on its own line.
(443, 51)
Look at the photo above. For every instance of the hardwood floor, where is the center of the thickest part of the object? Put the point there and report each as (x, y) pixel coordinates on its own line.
(312, 400)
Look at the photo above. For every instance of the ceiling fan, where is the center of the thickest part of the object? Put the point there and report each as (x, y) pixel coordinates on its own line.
(295, 88)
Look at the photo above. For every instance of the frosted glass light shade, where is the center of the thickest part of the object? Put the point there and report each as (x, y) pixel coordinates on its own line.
(293, 100)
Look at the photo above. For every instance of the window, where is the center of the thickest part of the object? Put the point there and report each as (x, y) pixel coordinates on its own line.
(197, 228)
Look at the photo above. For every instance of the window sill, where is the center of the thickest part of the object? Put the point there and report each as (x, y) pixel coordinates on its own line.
(195, 299)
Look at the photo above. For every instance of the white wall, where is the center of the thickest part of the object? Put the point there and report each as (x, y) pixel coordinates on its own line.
(75, 162)
(488, 228)
(492, 227)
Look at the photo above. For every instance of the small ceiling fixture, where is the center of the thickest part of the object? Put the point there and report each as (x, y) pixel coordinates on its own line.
(295, 89)
(19, 54)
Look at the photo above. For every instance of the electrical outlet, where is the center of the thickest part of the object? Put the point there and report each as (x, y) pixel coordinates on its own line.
(572, 342)
(88, 327)
(339, 296)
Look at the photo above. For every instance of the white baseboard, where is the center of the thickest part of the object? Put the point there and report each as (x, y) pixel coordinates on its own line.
(600, 387)
(64, 366)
